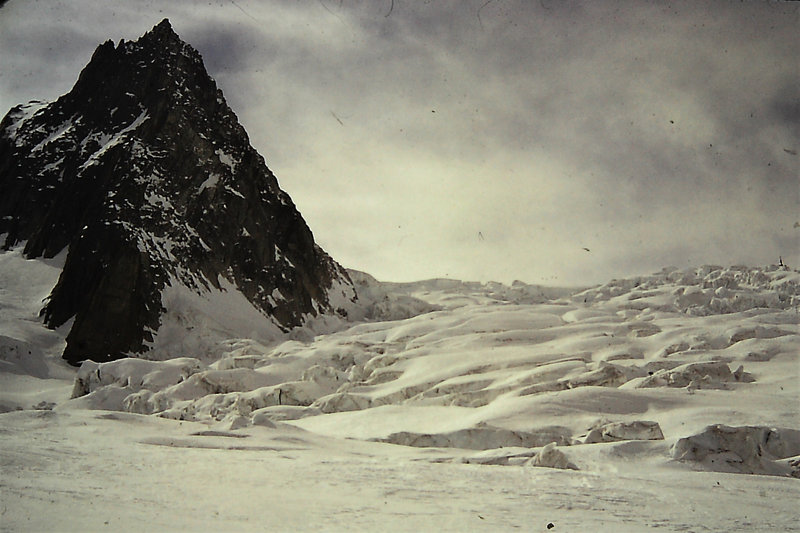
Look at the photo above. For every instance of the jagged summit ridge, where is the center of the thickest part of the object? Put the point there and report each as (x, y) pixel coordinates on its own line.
(144, 173)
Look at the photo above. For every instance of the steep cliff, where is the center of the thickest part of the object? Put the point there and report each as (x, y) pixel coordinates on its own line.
(144, 173)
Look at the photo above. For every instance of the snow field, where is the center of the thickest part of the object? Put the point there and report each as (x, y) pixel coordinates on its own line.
(456, 406)
(497, 374)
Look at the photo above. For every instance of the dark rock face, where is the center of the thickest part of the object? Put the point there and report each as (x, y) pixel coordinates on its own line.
(145, 174)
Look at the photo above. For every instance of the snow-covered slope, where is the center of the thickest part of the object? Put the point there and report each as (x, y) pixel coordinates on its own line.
(664, 401)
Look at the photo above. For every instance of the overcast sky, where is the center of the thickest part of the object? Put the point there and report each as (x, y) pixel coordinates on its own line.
(549, 141)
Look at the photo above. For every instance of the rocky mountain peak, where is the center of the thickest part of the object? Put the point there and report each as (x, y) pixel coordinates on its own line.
(145, 175)
(162, 33)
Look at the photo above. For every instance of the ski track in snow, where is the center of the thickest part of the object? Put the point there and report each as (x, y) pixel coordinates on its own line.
(672, 400)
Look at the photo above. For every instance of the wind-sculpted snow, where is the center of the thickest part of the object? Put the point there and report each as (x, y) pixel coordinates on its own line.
(749, 449)
(597, 403)
(501, 366)
(617, 431)
(709, 290)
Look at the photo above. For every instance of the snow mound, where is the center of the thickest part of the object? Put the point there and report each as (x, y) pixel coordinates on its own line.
(619, 431)
(706, 375)
(483, 437)
(119, 385)
(551, 457)
(744, 449)
(134, 373)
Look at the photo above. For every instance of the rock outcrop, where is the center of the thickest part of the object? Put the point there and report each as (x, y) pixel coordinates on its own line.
(145, 175)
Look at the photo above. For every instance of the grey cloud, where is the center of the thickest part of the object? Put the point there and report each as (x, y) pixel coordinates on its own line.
(650, 133)
(225, 46)
(785, 106)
